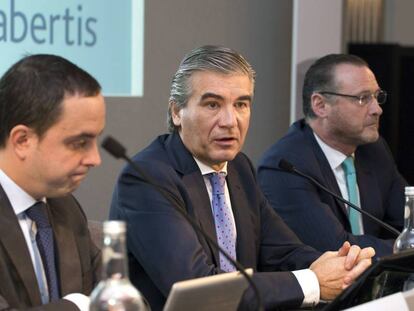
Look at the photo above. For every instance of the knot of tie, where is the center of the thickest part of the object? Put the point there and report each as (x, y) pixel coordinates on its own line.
(217, 181)
(38, 214)
(349, 166)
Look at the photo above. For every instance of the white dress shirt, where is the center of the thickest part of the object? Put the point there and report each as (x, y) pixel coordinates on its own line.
(306, 278)
(20, 201)
(335, 159)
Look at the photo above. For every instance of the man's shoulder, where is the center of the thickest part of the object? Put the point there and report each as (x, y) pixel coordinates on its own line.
(374, 153)
(379, 145)
(153, 156)
(163, 159)
(66, 202)
(295, 142)
(66, 209)
(242, 168)
(155, 150)
(241, 161)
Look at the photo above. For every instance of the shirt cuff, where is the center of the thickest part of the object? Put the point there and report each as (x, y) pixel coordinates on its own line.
(310, 286)
(80, 300)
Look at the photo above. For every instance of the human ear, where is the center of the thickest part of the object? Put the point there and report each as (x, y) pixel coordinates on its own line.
(175, 113)
(21, 140)
(319, 105)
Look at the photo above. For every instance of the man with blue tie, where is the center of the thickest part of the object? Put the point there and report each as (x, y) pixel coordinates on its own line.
(200, 165)
(51, 113)
(338, 144)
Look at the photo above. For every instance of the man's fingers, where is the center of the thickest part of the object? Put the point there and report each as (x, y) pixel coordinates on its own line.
(366, 253)
(351, 258)
(343, 251)
(356, 271)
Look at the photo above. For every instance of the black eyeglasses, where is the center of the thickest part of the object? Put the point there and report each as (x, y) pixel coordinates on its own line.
(365, 99)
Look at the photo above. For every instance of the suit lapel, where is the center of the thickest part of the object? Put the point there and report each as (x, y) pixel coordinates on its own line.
(200, 209)
(239, 204)
(368, 192)
(12, 238)
(327, 177)
(69, 266)
(198, 194)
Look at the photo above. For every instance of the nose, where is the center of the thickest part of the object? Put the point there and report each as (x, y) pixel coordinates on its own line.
(375, 108)
(92, 157)
(228, 116)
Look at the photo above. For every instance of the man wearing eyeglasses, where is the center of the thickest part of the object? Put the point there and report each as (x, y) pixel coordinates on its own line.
(338, 144)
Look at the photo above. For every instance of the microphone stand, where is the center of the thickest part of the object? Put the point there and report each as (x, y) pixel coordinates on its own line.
(288, 167)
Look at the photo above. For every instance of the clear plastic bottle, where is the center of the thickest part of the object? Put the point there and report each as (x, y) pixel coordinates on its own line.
(406, 239)
(115, 292)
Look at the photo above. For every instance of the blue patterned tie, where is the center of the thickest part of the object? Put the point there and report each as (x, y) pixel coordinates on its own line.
(224, 222)
(45, 244)
(351, 183)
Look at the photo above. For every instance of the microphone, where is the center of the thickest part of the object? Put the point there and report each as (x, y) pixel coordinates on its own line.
(113, 147)
(289, 167)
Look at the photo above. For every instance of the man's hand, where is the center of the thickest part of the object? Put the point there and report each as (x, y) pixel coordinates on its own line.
(337, 270)
(357, 260)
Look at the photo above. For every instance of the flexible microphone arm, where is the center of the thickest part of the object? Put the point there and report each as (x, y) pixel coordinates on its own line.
(115, 148)
(289, 167)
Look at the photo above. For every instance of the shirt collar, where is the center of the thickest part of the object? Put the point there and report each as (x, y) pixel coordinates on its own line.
(19, 199)
(205, 169)
(335, 157)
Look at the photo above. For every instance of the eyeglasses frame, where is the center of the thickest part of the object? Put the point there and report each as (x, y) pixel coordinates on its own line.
(360, 97)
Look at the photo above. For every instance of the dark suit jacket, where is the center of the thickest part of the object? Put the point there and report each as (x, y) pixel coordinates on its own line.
(163, 248)
(315, 216)
(77, 257)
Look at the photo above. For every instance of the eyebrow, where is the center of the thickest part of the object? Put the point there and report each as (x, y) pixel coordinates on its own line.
(211, 95)
(245, 97)
(216, 96)
(80, 136)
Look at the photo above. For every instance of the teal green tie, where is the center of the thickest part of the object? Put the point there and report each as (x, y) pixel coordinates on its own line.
(351, 183)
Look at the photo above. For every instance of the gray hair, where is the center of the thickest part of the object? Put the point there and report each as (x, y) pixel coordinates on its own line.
(206, 58)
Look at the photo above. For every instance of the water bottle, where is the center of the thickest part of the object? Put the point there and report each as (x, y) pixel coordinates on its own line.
(406, 239)
(115, 292)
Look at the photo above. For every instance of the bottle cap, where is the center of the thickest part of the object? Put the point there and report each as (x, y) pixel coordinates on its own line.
(409, 190)
(115, 226)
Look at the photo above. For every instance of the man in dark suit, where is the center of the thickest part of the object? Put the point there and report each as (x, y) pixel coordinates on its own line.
(51, 113)
(200, 166)
(341, 104)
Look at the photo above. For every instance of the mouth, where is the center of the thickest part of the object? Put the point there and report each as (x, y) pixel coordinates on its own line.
(376, 125)
(225, 141)
(79, 176)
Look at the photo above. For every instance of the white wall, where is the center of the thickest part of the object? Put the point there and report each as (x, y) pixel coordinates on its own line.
(317, 30)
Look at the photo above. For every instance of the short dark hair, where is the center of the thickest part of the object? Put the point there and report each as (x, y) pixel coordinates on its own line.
(33, 89)
(320, 77)
(205, 58)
